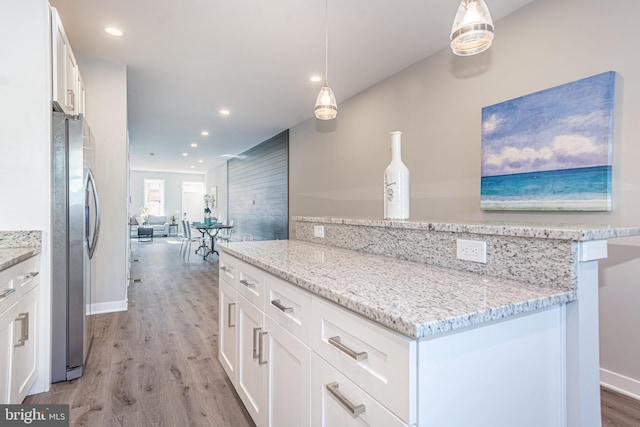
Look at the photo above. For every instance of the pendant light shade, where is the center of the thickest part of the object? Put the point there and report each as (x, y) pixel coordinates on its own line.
(326, 107)
(472, 30)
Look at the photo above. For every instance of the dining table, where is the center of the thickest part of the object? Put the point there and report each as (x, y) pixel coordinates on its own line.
(211, 231)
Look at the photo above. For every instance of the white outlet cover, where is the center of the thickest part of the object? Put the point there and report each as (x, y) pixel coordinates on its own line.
(471, 250)
(318, 231)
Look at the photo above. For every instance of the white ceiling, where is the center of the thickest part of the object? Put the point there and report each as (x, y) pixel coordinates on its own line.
(188, 59)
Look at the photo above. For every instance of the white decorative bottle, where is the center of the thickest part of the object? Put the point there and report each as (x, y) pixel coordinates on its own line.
(396, 183)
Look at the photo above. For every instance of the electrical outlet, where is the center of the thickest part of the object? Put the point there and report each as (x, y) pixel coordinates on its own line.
(471, 250)
(318, 231)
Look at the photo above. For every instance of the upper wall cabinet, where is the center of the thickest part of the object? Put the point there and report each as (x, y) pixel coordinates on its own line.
(67, 83)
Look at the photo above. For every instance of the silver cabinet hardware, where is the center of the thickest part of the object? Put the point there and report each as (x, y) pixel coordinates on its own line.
(7, 292)
(255, 341)
(229, 317)
(261, 361)
(31, 275)
(334, 390)
(23, 318)
(276, 302)
(225, 268)
(337, 343)
(247, 284)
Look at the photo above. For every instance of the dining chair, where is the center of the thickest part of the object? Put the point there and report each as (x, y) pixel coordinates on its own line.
(186, 240)
(225, 233)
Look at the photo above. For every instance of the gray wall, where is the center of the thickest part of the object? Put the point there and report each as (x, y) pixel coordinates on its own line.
(337, 166)
(172, 188)
(258, 190)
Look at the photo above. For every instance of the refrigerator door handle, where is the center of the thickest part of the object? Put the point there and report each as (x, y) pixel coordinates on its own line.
(96, 229)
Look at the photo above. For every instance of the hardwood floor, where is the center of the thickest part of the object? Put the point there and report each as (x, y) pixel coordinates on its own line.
(156, 364)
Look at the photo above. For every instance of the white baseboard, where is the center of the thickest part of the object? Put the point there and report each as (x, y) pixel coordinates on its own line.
(624, 385)
(108, 307)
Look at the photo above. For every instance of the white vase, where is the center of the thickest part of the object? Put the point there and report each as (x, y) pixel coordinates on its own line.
(396, 183)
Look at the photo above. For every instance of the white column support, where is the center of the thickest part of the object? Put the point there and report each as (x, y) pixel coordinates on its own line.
(583, 347)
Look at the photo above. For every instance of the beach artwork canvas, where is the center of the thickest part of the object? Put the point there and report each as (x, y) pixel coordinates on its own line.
(550, 150)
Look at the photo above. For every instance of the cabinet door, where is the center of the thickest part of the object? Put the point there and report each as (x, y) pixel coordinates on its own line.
(23, 369)
(227, 330)
(288, 363)
(64, 66)
(6, 335)
(72, 82)
(251, 375)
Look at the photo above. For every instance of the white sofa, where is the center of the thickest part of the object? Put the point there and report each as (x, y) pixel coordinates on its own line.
(159, 224)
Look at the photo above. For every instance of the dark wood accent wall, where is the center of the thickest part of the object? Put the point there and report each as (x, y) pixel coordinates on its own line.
(258, 183)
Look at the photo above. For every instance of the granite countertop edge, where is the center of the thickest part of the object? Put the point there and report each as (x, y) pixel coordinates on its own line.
(573, 232)
(395, 321)
(12, 256)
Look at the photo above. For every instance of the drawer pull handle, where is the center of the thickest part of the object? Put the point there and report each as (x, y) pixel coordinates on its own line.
(355, 410)
(229, 317)
(261, 348)
(277, 303)
(247, 284)
(23, 318)
(224, 268)
(337, 343)
(7, 292)
(31, 275)
(255, 342)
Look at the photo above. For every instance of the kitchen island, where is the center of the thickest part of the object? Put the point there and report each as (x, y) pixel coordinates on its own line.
(19, 299)
(480, 348)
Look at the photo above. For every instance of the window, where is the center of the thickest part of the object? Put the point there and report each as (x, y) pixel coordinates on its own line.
(154, 196)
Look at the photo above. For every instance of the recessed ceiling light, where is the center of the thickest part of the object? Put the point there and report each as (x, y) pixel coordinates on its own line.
(204, 133)
(193, 167)
(152, 154)
(194, 145)
(113, 31)
(224, 112)
(315, 79)
(200, 161)
(185, 154)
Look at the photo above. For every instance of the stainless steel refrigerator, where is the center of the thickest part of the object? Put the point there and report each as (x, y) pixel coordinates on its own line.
(76, 225)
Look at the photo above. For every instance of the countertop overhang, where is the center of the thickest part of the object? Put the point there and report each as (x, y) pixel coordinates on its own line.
(414, 299)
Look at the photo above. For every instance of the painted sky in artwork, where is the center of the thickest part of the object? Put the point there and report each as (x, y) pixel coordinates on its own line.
(564, 127)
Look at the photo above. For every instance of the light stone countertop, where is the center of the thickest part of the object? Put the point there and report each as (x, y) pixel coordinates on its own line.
(18, 245)
(12, 256)
(414, 299)
(573, 232)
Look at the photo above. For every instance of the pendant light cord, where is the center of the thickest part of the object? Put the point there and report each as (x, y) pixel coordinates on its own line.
(326, 43)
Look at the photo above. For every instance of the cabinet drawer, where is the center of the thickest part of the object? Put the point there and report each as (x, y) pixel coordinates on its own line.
(227, 271)
(336, 401)
(380, 361)
(250, 283)
(288, 305)
(17, 280)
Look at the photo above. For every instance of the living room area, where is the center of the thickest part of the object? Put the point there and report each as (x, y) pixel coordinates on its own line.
(159, 201)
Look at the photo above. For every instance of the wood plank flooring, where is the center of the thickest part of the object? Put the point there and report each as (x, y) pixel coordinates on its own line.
(156, 364)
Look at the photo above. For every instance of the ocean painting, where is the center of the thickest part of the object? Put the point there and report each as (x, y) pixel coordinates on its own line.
(550, 150)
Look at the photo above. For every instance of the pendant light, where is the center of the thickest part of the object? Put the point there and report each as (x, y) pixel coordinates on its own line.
(472, 30)
(326, 107)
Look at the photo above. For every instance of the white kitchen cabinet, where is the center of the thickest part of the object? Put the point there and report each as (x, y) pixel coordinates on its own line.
(288, 365)
(23, 366)
(227, 341)
(18, 321)
(252, 370)
(270, 370)
(6, 335)
(65, 74)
